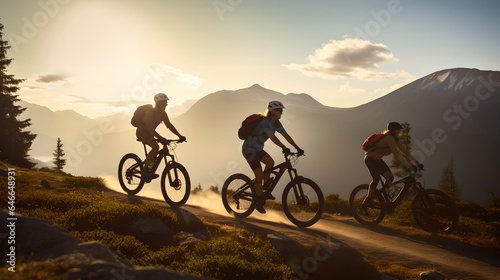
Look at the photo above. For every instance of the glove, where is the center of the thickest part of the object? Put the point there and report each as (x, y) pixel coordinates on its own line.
(299, 151)
(286, 151)
(182, 139)
(413, 169)
(420, 166)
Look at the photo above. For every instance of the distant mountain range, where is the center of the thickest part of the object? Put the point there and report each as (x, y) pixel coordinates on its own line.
(453, 113)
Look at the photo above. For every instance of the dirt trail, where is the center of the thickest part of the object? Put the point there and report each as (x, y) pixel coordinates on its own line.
(380, 245)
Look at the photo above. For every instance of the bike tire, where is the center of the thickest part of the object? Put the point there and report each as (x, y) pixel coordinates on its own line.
(303, 202)
(129, 174)
(435, 211)
(239, 204)
(175, 184)
(366, 215)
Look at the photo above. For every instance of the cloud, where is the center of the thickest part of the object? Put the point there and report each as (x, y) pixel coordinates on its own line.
(347, 88)
(50, 78)
(165, 70)
(115, 103)
(349, 58)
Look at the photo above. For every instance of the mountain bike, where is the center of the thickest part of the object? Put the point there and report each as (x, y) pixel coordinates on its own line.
(433, 210)
(175, 183)
(302, 199)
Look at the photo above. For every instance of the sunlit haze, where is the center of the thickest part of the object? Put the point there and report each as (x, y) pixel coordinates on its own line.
(102, 57)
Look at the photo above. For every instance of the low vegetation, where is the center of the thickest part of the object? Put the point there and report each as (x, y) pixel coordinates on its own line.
(79, 205)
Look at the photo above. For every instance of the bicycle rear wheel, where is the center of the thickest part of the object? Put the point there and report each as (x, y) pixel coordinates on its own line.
(363, 213)
(175, 184)
(237, 195)
(129, 174)
(303, 202)
(435, 211)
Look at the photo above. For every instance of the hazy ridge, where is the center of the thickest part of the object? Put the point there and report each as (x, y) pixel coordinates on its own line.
(453, 113)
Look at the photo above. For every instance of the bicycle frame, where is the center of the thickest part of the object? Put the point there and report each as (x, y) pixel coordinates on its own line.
(162, 154)
(278, 172)
(409, 183)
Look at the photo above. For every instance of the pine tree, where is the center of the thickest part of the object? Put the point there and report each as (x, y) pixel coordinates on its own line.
(405, 139)
(14, 142)
(448, 183)
(59, 161)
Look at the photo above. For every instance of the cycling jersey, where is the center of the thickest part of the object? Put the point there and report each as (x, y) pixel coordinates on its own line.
(386, 146)
(259, 136)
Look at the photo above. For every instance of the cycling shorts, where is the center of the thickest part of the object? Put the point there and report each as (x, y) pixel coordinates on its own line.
(143, 135)
(253, 158)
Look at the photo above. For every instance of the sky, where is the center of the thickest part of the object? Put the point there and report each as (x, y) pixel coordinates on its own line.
(100, 57)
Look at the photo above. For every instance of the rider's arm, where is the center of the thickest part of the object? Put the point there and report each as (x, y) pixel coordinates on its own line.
(395, 151)
(169, 125)
(275, 139)
(289, 139)
(402, 148)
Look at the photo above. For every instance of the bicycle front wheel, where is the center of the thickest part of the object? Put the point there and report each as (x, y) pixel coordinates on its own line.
(129, 174)
(435, 211)
(366, 214)
(175, 184)
(303, 202)
(237, 195)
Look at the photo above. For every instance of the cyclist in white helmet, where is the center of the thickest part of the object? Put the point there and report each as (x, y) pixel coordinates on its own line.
(147, 132)
(253, 148)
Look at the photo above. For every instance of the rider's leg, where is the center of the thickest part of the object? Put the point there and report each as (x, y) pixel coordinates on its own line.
(372, 166)
(268, 164)
(259, 176)
(154, 150)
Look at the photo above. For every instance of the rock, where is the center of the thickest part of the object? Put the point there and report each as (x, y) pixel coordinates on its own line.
(387, 277)
(39, 240)
(284, 244)
(430, 275)
(190, 241)
(151, 231)
(45, 184)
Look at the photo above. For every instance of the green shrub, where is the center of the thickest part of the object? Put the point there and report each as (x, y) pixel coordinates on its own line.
(335, 205)
(126, 246)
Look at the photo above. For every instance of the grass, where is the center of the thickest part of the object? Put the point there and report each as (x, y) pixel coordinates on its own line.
(80, 205)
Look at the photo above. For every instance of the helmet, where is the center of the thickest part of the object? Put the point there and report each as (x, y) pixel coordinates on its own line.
(394, 126)
(161, 97)
(275, 105)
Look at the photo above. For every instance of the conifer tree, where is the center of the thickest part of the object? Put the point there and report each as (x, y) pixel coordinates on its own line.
(448, 183)
(59, 161)
(405, 139)
(15, 142)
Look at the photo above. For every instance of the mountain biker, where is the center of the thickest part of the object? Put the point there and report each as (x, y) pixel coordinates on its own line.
(147, 132)
(388, 144)
(253, 148)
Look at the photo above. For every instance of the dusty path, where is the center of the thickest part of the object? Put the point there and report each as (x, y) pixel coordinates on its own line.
(361, 242)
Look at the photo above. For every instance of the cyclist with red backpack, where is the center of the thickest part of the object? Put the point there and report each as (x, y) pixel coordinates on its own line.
(253, 148)
(146, 119)
(378, 146)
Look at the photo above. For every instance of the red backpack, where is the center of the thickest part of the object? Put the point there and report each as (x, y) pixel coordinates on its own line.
(371, 141)
(248, 125)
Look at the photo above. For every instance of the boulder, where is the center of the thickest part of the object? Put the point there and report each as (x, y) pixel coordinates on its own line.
(38, 240)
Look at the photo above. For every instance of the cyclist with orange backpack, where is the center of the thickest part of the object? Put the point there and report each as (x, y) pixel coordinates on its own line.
(385, 144)
(253, 148)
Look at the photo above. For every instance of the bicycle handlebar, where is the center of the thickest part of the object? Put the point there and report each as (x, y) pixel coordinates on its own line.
(293, 154)
(168, 141)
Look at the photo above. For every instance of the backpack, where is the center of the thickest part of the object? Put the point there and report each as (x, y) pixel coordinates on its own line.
(370, 142)
(248, 125)
(139, 114)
